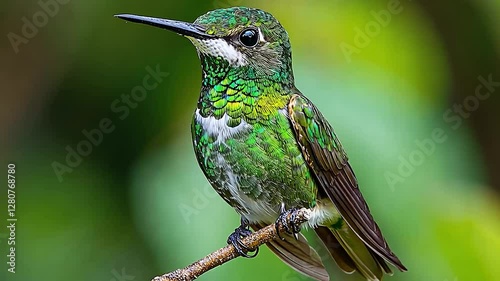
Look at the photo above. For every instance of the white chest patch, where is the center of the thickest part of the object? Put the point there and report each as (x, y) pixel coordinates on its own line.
(220, 48)
(219, 128)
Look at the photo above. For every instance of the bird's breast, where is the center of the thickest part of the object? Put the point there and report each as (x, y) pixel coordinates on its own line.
(254, 167)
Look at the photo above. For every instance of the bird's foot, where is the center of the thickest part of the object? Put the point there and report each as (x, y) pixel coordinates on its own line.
(287, 219)
(235, 239)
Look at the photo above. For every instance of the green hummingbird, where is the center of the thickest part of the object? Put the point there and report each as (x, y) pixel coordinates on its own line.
(267, 150)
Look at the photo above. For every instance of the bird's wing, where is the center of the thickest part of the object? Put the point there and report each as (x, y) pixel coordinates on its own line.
(327, 160)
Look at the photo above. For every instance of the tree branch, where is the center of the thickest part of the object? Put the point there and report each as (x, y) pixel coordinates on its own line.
(228, 253)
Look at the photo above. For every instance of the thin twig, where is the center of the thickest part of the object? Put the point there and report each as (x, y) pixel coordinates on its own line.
(228, 253)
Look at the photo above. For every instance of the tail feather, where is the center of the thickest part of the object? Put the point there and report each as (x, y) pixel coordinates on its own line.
(345, 247)
(383, 264)
(351, 254)
(335, 249)
(298, 255)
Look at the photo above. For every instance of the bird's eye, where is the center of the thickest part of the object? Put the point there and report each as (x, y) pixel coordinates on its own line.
(249, 37)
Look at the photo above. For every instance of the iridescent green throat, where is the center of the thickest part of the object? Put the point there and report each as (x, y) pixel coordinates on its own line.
(242, 92)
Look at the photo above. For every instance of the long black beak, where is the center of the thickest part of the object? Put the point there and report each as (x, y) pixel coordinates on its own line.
(182, 28)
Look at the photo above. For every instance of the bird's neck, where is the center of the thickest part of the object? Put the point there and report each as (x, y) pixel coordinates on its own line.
(242, 93)
(216, 70)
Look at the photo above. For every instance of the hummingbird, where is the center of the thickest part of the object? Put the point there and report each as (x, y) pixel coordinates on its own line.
(268, 151)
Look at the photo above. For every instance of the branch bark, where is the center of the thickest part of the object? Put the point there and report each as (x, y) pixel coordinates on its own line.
(228, 253)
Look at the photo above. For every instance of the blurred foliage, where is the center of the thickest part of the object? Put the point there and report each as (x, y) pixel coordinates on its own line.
(138, 205)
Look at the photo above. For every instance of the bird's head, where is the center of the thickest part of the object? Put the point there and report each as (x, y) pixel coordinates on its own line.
(249, 41)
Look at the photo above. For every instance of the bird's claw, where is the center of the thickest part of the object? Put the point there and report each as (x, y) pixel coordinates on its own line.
(235, 240)
(289, 224)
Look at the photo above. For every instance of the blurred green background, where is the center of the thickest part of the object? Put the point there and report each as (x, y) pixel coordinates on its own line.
(402, 94)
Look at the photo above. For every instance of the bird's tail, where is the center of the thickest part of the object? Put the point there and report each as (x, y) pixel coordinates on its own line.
(351, 254)
(298, 254)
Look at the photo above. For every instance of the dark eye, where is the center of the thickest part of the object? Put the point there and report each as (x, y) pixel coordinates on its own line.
(249, 37)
